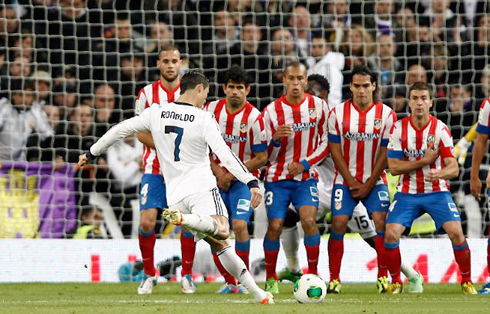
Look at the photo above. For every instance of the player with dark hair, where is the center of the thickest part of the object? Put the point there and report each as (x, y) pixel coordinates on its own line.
(242, 128)
(183, 136)
(421, 151)
(296, 129)
(358, 135)
(152, 191)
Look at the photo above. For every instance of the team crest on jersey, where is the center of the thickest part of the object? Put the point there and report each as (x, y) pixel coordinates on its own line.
(377, 123)
(431, 139)
(243, 127)
(137, 107)
(312, 113)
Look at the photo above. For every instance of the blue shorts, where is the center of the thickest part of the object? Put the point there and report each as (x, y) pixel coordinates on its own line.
(278, 196)
(237, 201)
(378, 200)
(152, 192)
(408, 207)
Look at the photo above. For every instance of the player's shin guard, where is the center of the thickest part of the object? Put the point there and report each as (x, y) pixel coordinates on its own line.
(271, 250)
(393, 259)
(188, 248)
(380, 250)
(312, 245)
(463, 258)
(335, 253)
(147, 244)
(235, 266)
(290, 245)
(228, 277)
(243, 251)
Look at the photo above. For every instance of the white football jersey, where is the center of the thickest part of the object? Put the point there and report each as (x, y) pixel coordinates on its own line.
(183, 135)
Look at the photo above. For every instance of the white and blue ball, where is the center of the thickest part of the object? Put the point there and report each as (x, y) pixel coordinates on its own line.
(310, 289)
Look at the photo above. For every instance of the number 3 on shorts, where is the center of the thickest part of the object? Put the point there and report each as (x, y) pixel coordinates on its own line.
(269, 198)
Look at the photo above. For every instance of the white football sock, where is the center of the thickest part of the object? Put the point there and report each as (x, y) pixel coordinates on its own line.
(408, 270)
(202, 223)
(290, 245)
(236, 267)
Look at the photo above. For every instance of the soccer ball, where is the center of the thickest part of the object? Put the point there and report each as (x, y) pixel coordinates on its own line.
(310, 289)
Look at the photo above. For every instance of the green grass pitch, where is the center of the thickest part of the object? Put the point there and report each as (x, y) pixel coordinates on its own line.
(167, 298)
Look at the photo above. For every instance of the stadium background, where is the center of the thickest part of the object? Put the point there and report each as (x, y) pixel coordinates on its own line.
(82, 63)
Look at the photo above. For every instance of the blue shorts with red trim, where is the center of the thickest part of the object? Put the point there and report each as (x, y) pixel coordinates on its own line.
(408, 207)
(378, 200)
(152, 192)
(279, 195)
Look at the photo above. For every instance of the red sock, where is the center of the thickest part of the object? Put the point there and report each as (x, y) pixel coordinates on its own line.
(188, 248)
(228, 277)
(312, 253)
(245, 257)
(335, 253)
(380, 250)
(147, 244)
(394, 261)
(270, 264)
(463, 258)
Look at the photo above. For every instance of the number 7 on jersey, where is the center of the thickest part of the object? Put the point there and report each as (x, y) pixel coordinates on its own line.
(180, 132)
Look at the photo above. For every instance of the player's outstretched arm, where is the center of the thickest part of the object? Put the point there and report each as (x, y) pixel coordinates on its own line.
(478, 151)
(399, 166)
(120, 131)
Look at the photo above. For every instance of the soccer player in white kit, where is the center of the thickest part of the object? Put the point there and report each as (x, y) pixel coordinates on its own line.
(183, 135)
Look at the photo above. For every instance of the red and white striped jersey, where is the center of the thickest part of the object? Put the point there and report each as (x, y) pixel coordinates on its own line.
(151, 94)
(409, 143)
(361, 135)
(484, 118)
(308, 143)
(243, 131)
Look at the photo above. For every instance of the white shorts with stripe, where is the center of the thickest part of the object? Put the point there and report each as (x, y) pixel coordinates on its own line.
(203, 203)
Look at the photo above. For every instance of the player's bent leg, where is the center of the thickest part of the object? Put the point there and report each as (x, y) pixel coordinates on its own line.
(462, 254)
(235, 266)
(393, 233)
(188, 250)
(242, 240)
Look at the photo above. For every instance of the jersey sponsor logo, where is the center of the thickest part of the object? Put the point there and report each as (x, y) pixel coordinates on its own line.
(177, 116)
(362, 137)
(230, 138)
(414, 153)
(378, 123)
(243, 127)
(300, 127)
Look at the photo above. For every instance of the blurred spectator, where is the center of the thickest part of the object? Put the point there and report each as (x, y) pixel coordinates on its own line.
(282, 52)
(252, 55)
(9, 23)
(240, 9)
(381, 22)
(483, 89)
(133, 77)
(416, 73)
(440, 71)
(386, 65)
(125, 163)
(444, 24)
(275, 12)
(300, 23)
(338, 21)
(470, 11)
(92, 220)
(225, 33)
(80, 134)
(18, 120)
(418, 48)
(42, 81)
(404, 23)
(104, 105)
(160, 36)
(44, 148)
(21, 67)
(481, 49)
(329, 64)
(66, 98)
